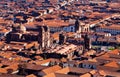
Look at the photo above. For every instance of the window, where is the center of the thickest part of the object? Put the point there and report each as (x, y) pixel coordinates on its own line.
(72, 29)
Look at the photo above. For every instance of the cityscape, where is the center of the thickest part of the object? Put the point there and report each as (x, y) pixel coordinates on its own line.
(59, 38)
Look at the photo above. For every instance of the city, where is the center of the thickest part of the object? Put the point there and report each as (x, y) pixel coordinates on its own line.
(60, 38)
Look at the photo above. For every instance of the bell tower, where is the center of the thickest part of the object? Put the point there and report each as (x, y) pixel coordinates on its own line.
(78, 29)
(87, 42)
(78, 26)
(44, 37)
(62, 38)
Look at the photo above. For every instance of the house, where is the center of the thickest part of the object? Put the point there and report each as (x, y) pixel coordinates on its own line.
(89, 64)
(113, 64)
(67, 50)
(13, 68)
(71, 64)
(30, 68)
(10, 75)
(3, 32)
(113, 29)
(73, 72)
(110, 73)
(49, 70)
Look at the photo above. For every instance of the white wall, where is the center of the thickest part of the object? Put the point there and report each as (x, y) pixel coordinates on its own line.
(112, 31)
(66, 29)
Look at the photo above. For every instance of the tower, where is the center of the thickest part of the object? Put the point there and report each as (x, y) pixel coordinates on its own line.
(78, 29)
(40, 37)
(87, 42)
(78, 26)
(62, 38)
(44, 37)
(8, 38)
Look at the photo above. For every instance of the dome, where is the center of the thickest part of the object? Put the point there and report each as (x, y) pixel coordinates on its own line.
(21, 28)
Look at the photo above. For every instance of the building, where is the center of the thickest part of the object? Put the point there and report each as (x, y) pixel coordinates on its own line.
(113, 29)
(44, 37)
(41, 35)
(16, 33)
(62, 38)
(87, 42)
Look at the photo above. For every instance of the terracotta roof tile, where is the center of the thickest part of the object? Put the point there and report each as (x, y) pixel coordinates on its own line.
(31, 75)
(13, 66)
(116, 51)
(102, 72)
(64, 75)
(50, 75)
(3, 70)
(86, 75)
(51, 69)
(113, 64)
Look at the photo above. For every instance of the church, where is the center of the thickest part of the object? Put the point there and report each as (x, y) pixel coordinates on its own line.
(19, 33)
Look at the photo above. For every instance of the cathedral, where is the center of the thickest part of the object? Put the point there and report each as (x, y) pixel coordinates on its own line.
(81, 31)
(20, 34)
(81, 27)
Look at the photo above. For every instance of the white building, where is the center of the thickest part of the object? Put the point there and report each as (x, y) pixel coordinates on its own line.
(114, 30)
